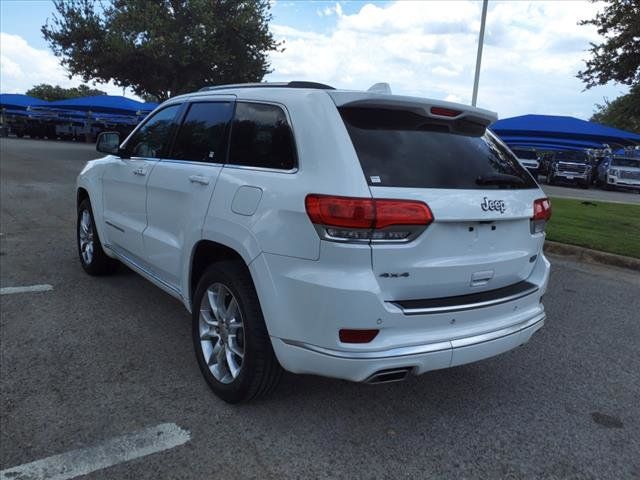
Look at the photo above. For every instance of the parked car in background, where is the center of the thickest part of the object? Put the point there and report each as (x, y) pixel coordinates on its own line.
(306, 229)
(619, 171)
(529, 159)
(570, 167)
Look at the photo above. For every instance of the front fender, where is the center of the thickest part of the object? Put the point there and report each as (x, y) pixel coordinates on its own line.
(90, 179)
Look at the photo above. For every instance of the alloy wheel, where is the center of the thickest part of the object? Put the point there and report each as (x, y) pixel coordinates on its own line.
(221, 333)
(85, 232)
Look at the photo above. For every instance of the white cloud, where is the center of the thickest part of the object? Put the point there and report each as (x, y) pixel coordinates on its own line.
(22, 66)
(532, 53)
(328, 11)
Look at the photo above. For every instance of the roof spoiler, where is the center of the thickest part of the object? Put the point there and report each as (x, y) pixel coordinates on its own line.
(436, 109)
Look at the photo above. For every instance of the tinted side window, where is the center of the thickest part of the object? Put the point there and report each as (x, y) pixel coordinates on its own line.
(261, 137)
(151, 140)
(399, 148)
(201, 137)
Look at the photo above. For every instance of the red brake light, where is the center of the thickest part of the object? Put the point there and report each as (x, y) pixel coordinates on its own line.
(401, 212)
(364, 219)
(357, 336)
(340, 211)
(541, 209)
(445, 112)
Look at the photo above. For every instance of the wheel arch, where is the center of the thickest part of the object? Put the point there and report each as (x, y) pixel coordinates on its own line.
(81, 195)
(204, 253)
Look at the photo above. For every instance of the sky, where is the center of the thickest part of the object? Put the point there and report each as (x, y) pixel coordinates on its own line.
(532, 50)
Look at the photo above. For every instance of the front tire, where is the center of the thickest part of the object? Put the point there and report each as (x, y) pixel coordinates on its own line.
(92, 257)
(230, 337)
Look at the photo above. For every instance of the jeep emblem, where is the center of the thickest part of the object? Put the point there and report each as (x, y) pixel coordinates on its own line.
(493, 205)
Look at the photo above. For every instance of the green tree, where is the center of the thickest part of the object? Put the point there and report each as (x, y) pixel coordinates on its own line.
(623, 112)
(51, 93)
(161, 48)
(617, 57)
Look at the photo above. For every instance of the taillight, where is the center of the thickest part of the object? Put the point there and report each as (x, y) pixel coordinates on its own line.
(365, 219)
(541, 214)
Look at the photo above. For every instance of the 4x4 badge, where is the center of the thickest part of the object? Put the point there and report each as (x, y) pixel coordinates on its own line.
(493, 205)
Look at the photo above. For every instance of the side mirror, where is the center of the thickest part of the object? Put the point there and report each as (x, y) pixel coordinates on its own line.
(108, 142)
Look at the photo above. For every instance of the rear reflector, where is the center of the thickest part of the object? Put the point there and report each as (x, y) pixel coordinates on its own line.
(445, 112)
(357, 336)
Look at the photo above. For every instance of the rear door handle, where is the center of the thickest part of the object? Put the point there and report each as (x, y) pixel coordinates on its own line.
(199, 179)
(140, 171)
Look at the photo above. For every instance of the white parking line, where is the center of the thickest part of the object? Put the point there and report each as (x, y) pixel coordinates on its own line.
(112, 452)
(45, 287)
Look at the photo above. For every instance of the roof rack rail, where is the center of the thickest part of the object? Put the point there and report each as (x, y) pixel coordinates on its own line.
(294, 84)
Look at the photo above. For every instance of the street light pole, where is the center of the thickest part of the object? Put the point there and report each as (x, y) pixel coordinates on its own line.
(479, 57)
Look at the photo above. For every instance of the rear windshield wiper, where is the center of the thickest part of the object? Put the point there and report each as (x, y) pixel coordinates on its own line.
(500, 179)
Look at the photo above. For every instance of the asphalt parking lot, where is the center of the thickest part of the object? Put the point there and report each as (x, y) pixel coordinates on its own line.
(98, 358)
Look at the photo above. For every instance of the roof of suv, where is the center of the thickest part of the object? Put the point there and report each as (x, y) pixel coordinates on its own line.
(356, 98)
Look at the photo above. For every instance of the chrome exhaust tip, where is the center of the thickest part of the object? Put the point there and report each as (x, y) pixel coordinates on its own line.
(388, 376)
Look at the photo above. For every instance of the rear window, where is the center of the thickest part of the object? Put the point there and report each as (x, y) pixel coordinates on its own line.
(261, 137)
(399, 148)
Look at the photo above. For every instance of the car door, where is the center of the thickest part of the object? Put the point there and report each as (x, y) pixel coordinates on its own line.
(180, 187)
(124, 183)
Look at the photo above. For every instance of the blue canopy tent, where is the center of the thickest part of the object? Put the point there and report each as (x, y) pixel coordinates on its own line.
(149, 106)
(16, 101)
(543, 146)
(562, 142)
(103, 104)
(563, 129)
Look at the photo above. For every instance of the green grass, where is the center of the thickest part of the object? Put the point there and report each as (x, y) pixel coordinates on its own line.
(608, 227)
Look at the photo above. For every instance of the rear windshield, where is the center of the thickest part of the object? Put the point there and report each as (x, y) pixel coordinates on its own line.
(525, 154)
(399, 148)
(625, 162)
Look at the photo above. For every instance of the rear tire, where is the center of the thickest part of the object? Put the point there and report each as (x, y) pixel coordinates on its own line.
(230, 338)
(92, 257)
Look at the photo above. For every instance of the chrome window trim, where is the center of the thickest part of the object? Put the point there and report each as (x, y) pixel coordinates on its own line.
(260, 169)
(191, 162)
(467, 306)
(534, 322)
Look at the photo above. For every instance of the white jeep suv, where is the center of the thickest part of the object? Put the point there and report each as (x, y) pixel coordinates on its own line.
(355, 235)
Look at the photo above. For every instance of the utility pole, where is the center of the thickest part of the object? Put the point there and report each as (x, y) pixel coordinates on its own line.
(476, 80)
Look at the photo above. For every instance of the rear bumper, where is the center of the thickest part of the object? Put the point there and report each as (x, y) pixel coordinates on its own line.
(300, 357)
(305, 303)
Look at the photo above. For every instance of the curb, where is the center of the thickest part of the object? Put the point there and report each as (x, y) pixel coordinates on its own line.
(592, 256)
